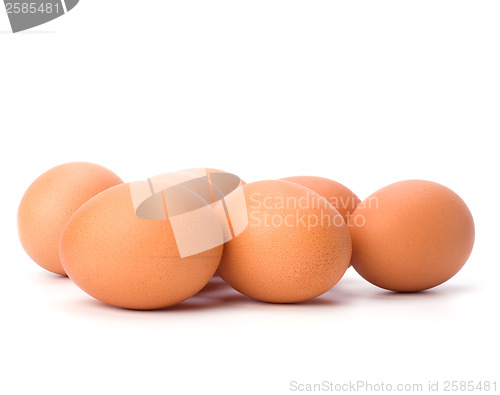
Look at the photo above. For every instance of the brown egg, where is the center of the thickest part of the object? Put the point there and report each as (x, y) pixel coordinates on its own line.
(50, 201)
(296, 245)
(411, 235)
(126, 261)
(341, 197)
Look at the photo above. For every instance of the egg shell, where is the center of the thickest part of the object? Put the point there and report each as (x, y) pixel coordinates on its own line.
(291, 262)
(49, 203)
(123, 260)
(411, 235)
(341, 197)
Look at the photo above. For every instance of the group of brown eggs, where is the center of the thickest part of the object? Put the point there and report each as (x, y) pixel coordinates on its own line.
(300, 235)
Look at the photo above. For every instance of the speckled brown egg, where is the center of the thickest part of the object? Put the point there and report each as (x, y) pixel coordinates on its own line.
(50, 201)
(295, 247)
(341, 197)
(130, 262)
(411, 235)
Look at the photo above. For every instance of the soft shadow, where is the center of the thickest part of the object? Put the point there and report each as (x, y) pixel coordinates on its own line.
(215, 284)
(47, 277)
(199, 303)
(218, 289)
(217, 294)
(87, 304)
(90, 304)
(440, 291)
(319, 301)
(203, 302)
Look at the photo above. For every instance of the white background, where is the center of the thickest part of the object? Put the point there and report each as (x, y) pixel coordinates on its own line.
(363, 92)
